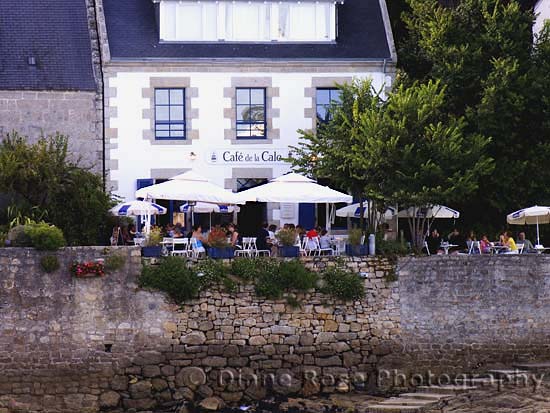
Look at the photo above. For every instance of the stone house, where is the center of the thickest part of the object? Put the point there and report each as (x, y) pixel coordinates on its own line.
(221, 87)
(50, 74)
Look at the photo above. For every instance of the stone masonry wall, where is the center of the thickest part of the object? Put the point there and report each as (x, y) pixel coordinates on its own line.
(96, 344)
(466, 314)
(75, 114)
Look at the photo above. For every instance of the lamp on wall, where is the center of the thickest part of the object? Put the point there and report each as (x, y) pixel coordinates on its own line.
(192, 156)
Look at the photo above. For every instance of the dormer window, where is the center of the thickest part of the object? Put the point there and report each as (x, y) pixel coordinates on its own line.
(248, 21)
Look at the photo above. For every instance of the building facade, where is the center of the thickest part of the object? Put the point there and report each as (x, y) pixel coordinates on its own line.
(50, 74)
(542, 13)
(222, 87)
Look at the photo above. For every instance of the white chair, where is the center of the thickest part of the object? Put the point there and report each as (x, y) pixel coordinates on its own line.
(196, 249)
(246, 249)
(427, 248)
(255, 251)
(362, 239)
(520, 248)
(185, 251)
(321, 250)
(339, 244)
(303, 247)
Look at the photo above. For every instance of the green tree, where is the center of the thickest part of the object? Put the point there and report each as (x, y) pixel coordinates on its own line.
(327, 151)
(418, 154)
(404, 150)
(483, 52)
(39, 180)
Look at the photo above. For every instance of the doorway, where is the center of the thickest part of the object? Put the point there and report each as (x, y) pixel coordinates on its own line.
(252, 214)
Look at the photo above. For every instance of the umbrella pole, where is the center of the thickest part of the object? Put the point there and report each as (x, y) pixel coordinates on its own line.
(210, 216)
(538, 235)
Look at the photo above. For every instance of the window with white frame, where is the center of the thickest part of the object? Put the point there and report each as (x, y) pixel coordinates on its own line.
(242, 21)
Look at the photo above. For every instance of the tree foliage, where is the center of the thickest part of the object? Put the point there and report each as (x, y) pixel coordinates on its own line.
(483, 52)
(405, 149)
(39, 180)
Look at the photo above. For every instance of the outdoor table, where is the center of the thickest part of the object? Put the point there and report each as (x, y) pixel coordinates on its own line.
(540, 249)
(496, 249)
(446, 247)
(139, 242)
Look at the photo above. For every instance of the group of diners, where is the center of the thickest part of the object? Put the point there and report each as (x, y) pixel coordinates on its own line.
(455, 243)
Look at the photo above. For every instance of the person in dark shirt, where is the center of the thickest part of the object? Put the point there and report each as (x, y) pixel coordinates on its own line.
(434, 242)
(456, 238)
(262, 238)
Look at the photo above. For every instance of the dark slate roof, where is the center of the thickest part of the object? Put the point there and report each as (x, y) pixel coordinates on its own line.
(133, 34)
(55, 32)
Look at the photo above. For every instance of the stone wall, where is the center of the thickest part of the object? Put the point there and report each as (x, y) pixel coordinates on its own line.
(82, 345)
(40, 113)
(464, 314)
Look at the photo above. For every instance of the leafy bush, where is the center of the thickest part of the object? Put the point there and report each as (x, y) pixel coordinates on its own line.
(286, 237)
(49, 263)
(114, 262)
(212, 272)
(390, 248)
(355, 236)
(217, 238)
(284, 277)
(45, 237)
(18, 237)
(42, 182)
(155, 237)
(173, 277)
(342, 284)
(249, 269)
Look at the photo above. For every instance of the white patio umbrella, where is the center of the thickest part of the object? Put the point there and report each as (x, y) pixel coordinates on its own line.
(354, 211)
(434, 212)
(206, 208)
(189, 186)
(295, 188)
(135, 208)
(534, 215)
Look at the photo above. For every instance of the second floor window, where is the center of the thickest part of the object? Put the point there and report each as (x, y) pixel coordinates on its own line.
(170, 113)
(324, 98)
(251, 113)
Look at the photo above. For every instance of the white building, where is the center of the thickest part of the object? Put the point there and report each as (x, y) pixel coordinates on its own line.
(542, 11)
(221, 87)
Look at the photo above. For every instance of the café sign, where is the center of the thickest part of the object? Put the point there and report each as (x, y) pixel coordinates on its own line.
(247, 156)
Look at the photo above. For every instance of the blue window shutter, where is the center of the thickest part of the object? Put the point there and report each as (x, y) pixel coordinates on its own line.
(306, 215)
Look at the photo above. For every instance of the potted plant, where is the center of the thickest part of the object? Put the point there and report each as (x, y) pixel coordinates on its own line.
(355, 247)
(152, 247)
(218, 245)
(287, 243)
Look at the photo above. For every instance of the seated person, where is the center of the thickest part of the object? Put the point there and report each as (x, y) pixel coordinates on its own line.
(263, 238)
(233, 235)
(457, 239)
(434, 242)
(510, 243)
(324, 240)
(527, 245)
(485, 245)
(312, 235)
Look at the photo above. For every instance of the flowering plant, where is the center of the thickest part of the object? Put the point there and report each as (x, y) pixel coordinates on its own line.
(83, 269)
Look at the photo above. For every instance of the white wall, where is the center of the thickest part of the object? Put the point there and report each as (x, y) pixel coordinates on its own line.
(542, 11)
(136, 156)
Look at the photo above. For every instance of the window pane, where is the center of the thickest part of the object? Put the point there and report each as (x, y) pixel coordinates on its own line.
(162, 113)
(177, 127)
(243, 96)
(177, 134)
(243, 113)
(163, 134)
(257, 96)
(163, 126)
(335, 95)
(258, 130)
(176, 96)
(176, 113)
(161, 96)
(323, 96)
(257, 113)
(322, 113)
